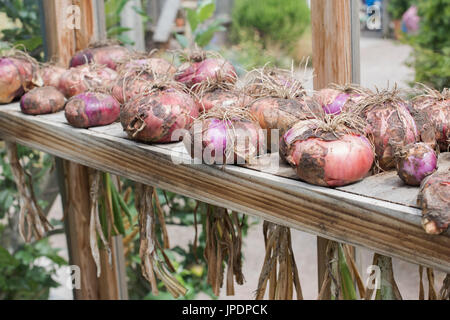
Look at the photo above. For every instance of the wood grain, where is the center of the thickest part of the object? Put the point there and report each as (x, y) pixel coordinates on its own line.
(382, 226)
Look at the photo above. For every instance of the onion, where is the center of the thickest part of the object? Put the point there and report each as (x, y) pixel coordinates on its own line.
(158, 66)
(42, 100)
(221, 98)
(206, 70)
(155, 116)
(334, 100)
(79, 79)
(51, 75)
(389, 124)
(326, 157)
(434, 198)
(109, 56)
(90, 109)
(131, 86)
(415, 162)
(431, 112)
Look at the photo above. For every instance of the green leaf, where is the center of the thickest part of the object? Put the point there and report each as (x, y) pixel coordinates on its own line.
(192, 19)
(205, 37)
(348, 286)
(117, 30)
(206, 10)
(6, 258)
(182, 40)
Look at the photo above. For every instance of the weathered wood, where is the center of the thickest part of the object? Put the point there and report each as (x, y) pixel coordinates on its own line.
(129, 18)
(385, 227)
(166, 20)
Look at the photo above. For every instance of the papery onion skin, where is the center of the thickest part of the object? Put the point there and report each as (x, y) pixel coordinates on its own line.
(51, 75)
(130, 86)
(433, 120)
(392, 127)
(10, 83)
(241, 137)
(221, 98)
(109, 56)
(210, 68)
(416, 162)
(155, 117)
(434, 199)
(157, 65)
(326, 161)
(42, 100)
(92, 109)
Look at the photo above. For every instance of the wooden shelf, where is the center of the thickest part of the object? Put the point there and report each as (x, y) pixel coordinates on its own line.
(382, 218)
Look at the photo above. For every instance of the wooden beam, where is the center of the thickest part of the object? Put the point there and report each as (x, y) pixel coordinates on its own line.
(71, 26)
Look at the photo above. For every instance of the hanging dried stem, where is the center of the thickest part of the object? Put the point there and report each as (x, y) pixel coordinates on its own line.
(95, 227)
(151, 264)
(223, 246)
(32, 220)
(388, 287)
(279, 267)
(444, 293)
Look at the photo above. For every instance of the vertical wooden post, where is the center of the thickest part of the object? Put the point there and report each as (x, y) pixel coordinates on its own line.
(63, 38)
(335, 60)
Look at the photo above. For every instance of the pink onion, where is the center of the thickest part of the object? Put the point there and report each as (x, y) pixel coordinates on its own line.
(155, 117)
(208, 69)
(337, 99)
(42, 100)
(10, 81)
(434, 198)
(221, 98)
(156, 65)
(109, 56)
(90, 109)
(416, 161)
(321, 158)
(51, 75)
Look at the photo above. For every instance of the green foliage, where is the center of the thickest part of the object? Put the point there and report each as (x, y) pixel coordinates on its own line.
(273, 21)
(22, 278)
(396, 8)
(27, 32)
(202, 32)
(431, 57)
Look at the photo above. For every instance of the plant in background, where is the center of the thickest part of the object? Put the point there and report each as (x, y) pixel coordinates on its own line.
(431, 56)
(202, 31)
(396, 8)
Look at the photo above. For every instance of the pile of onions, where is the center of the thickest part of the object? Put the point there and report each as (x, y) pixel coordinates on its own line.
(221, 97)
(202, 67)
(107, 55)
(415, 162)
(51, 74)
(155, 115)
(389, 124)
(225, 136)
(432, 114)
(79, 79)
(336, 99)
(434, 198)
(327, 154)
(42, 100)
(18, 74)
(90, 109)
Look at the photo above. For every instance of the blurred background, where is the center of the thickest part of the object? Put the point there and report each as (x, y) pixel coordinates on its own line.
(402, 41)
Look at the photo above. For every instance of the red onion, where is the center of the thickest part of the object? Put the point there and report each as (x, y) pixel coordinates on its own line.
(415, 162)
(197, 72)
(334, 100)
(389, 124)
(322, 158)
(42, 100)
(90, 109)
(51, 75)
(432, 115)
(152, 65)
(79, 79)
(434, 198)
(131, 86)
(109, 56)
(154, 117)
(221, 98)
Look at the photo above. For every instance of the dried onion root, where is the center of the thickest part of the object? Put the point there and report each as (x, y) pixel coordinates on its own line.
(151, 264)
(279, 268)
(223, 246)
(444, 293)
(32, 220)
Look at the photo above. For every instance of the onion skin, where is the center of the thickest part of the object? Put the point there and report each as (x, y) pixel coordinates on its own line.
(79, 79)
(416, 162)
(109, 56)
(51, 75)
(326, 161)
(434, 199)
(221, 98)
(42, 100)
(433, 120)
(392, 127)
(157, 65)
(10, 83)
(216, 135)
(153, 118)
(208, 69)
(92, 109)
(126, 88)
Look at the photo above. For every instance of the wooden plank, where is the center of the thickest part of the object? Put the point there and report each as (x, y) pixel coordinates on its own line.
(382, 226)
(166, 20)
